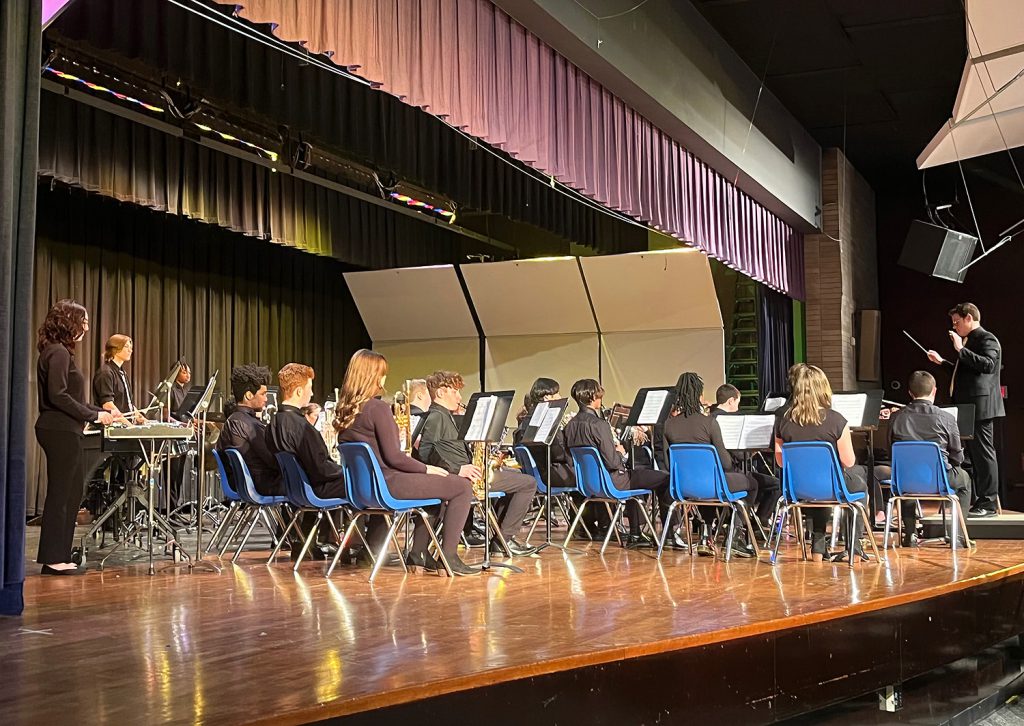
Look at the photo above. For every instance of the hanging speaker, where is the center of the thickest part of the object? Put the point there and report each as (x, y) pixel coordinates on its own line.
(937, 251)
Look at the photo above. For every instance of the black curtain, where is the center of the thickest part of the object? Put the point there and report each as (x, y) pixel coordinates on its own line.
(774, 340)
(20, 41)
(184, 288)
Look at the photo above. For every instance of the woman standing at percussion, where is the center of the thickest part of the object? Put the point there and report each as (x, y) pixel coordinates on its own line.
(361, 416)
(63, 414)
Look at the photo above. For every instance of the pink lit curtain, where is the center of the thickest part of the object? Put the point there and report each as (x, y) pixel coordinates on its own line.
(471, 64)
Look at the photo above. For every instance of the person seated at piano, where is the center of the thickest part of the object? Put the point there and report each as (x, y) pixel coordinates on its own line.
(922, 420)
(588, 428)
(419, 397)
(440, 445)
(111, 389)
(362, 416)
(562, 474)
(727, 401)
(244, 430)
(810, 417)
(690, 425)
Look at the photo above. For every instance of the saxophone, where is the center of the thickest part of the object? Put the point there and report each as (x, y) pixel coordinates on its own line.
(325, 425)
(400, 409)
(495, 460)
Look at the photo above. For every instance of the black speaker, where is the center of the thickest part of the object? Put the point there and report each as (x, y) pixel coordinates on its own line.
(937, 251)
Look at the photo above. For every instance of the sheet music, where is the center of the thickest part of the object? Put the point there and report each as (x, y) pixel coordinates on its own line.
(851, 406)
(757, 432)
(482, 416)
(652, 408)
(551, 419)
(953, 410)
(774, 404)
(414, 421)
(732, 429)
(538, 414)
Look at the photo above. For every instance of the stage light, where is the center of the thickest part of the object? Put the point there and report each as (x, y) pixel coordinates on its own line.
(101, 89)
(272, 155)
(420, 205)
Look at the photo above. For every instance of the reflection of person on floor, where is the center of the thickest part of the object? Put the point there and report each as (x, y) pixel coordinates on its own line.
(922, 420)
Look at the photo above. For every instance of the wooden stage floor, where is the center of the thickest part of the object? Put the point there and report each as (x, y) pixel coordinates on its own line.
(262, 644)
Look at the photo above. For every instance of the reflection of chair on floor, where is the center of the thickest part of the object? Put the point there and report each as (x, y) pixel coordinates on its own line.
(698, 479)
(559, 495)
(595, 484)
(919, 474)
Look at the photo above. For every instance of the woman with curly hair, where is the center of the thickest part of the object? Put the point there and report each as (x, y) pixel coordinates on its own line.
(60, 428)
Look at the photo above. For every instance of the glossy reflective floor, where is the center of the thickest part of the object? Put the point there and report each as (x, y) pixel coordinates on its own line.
(257, 643)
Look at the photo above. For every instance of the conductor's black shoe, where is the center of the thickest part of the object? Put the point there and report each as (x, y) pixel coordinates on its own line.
(977, 512)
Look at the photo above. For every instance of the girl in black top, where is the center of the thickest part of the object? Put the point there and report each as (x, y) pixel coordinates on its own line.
(63, 414)
(562, 474)
(690, 425)
(809, 417)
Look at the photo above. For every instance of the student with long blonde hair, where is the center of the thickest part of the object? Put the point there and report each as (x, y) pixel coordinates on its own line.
(362, 416)
(809, 417)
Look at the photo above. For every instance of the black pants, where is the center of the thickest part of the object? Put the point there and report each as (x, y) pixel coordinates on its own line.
(511, 509)
(982, 449)
(856, 481)
(737, 481)
(65, 488)
(650, 479)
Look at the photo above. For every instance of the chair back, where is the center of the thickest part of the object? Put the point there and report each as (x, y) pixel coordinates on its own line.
(592, 478)
(811, 473)
(243, 479)
(364, 478)
(298, 488)
(529, 466)
(225, 483)
(918, 468)
(696, 473)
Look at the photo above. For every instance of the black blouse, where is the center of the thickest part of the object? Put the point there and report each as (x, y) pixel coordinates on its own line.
(62, 402)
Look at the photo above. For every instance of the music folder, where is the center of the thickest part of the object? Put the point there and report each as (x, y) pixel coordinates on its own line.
(485, 416)
(747, 432)
(544, 421)
(651, 406)
(861, 409)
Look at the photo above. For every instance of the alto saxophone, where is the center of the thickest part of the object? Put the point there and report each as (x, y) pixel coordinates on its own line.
(495, 460)
(401, 409)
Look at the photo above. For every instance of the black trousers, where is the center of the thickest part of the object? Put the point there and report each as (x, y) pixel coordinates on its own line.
(511, 509)
(650, 479)
(856, 481)
(982, 449)
(65, 488)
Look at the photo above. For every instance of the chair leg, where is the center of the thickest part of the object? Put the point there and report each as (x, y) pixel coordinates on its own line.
(666, 529)
(392, 528)
(533, 525)
(244, 512)
(405, 516)
(229, 515)
(732, 533)
(502, 543)
(836, 518)
(688, 528)
(611, 528)
(800, 532)
(575, 521)
(650, 523)
(284, 536)
(747, 515)
(252, 525)
(867, 532)
(433, 538)
(888, 523)
(608, 506)
(783, 516)
(310, 538)
(963, 523)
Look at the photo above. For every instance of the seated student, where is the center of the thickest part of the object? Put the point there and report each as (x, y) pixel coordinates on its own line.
(562, 474)
(810, 417)
(727, 401)
(587, 428)
(441, 446)
(244, 430)
(922, 420)
(689, 425)
(419, 397)
(362, 416)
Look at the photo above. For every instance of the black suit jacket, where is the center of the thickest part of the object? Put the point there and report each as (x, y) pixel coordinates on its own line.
(976, 375)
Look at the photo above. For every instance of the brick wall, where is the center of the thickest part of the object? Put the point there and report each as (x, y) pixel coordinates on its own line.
(841, 269)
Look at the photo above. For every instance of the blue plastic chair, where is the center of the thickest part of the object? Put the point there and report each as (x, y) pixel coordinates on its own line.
(812, 477)
(368, 494)
(919, 474)
(698, 479)
(300, 495)
(559, 495)
(231, 496)
(595, 484)
(256, 506)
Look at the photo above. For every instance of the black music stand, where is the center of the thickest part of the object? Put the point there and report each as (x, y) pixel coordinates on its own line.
(651, 407)
(867, 425)
(162, 394)
(484, 423)
(544, 424)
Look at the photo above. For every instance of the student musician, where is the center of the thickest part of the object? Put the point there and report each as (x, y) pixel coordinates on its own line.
(110, 387)
(244, 430)
(587, 428)
(690, 425)
(562, 474)
(810, 417)
(922, 420)
(179, 389)
(361, 416)
(441, 446)
(63, 415)
(419, 397)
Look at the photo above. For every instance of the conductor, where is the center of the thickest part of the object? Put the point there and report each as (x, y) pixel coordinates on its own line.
(976, 364)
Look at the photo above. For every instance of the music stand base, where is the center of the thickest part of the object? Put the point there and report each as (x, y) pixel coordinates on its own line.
(489, 565)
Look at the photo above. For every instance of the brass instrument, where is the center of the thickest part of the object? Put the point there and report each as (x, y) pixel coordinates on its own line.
(495, 460)
(325, 425)
(400, 409)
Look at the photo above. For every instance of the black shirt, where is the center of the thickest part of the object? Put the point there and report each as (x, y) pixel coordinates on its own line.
(62, 405)
(922, 420)
(110, 384)
(440, 444)
(697, 429)
(290, 431)
(589, 429)
(245, 432)
(829, 430)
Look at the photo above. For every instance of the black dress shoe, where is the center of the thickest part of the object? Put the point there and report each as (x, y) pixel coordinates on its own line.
(460, 568)
(676, 542)
(909, 539)
(519, 549)
(743, 550)
(474, 540)
(977, 512)
(421, 562)
(704, 548)
(70, 572)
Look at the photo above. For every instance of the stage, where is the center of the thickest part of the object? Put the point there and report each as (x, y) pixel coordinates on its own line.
(582, 638)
